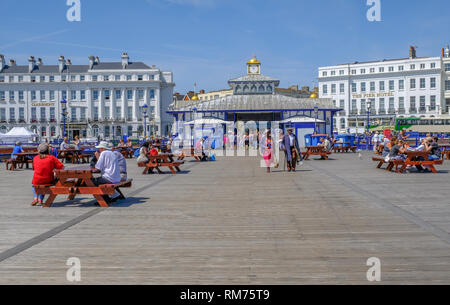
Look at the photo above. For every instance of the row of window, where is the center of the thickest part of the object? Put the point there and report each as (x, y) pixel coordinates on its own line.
(380, 104)
(400, 68)
(95, 130)
(382, 86)
(253, 89)
(74, 78)
(73, 114)
(74, 95)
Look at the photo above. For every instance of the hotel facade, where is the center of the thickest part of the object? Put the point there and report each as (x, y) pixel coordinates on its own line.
(104, 100)
(387, 89)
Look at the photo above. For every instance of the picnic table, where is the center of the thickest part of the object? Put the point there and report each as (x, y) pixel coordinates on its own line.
(23, 159)
(80, 181)
(75, 155)
(445, 150)
(316, 151)
(344, 147)
(419, 159)
(190, 152)
(127, 153)
(161, 160)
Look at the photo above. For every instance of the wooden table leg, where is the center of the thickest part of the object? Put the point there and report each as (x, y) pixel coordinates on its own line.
(49, 201)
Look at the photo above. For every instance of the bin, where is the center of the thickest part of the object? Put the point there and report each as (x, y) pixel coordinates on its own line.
(308, 140)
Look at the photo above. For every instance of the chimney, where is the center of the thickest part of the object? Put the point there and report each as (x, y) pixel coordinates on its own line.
(202, 91)
(12, 63)
(2, 62)
(31, 64)
(97, 59)
(91, 62)
(412, 53)
(447, 52)
(40, 62)
(125, 60)
(62, 64)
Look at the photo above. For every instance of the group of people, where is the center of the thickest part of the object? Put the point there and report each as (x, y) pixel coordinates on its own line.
(396, 148)
(110, 163)
(148, 148)
(287, 144)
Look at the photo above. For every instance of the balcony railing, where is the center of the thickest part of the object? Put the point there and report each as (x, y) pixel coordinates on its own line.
(401, 111)
(422, 110)
(412, 110)
(391, 111)
(381, 111)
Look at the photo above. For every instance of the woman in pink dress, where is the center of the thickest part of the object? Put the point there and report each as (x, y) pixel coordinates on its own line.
(268, 150)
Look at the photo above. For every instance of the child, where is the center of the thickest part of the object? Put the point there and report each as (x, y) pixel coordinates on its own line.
(153, 151)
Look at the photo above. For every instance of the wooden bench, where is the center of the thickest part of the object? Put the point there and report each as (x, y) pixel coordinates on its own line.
(80, 182)
(162, 160)
(316, 151)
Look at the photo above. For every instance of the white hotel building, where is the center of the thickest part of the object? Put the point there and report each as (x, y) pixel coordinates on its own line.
(103, 99)
(409, 87)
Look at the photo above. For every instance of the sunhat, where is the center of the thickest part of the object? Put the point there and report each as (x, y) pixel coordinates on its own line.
(104, 145)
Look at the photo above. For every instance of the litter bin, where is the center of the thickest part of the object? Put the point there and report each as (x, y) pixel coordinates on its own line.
(308, 140)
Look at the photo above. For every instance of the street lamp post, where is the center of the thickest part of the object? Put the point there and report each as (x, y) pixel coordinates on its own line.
(145, 112)
(316, 114)
(369, 107)
(64, 114)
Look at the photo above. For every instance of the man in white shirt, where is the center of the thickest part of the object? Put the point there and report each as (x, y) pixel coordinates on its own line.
(107, 164)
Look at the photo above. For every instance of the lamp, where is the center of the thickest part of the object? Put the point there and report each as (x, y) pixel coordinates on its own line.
(145, 112)
(316, 114)
(64, 114)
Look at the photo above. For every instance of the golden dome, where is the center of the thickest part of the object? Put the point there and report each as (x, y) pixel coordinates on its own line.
(195, 98)
(313, 95)
(253, 61)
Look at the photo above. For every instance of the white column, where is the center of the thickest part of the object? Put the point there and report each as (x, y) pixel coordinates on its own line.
(89, 103)
(124, 104)
(135, 105)
(101, 104)
(112, 110)
(158, 118)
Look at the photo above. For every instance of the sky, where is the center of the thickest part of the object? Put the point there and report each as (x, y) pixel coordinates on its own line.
(209, 42)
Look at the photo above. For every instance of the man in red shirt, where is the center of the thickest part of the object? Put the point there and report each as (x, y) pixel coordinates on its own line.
(44, 164)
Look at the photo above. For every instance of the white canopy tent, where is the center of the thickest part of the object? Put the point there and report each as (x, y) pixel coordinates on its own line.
(16, 134)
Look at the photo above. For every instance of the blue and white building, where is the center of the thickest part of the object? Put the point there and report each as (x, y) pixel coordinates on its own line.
(255, 100)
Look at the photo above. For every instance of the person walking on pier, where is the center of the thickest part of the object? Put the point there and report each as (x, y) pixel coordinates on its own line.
(293, 154)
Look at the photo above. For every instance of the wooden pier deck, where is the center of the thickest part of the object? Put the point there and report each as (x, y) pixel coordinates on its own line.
(228, 222)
